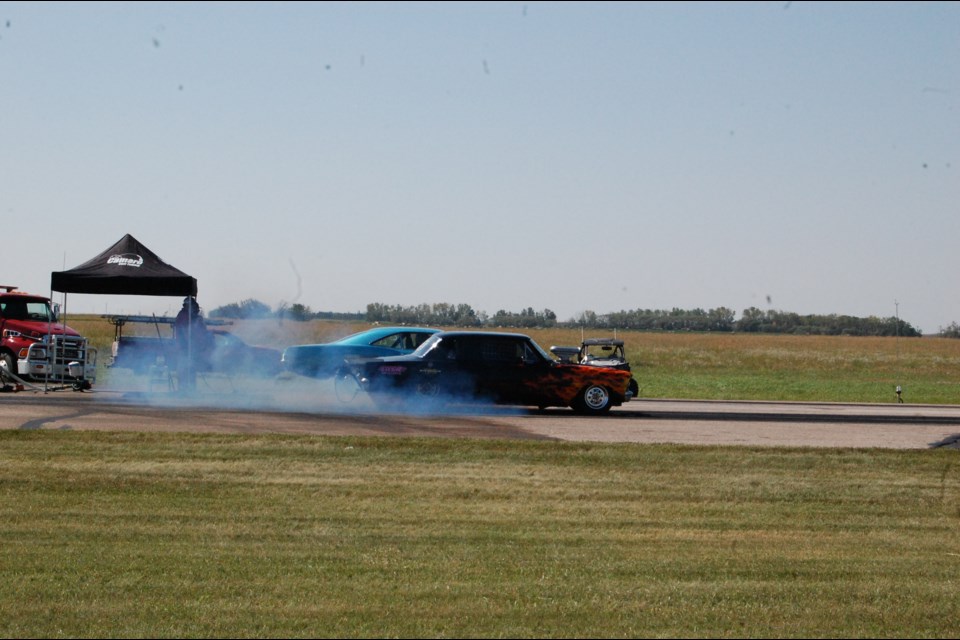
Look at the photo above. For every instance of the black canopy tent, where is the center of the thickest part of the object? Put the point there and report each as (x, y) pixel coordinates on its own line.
(126, 268)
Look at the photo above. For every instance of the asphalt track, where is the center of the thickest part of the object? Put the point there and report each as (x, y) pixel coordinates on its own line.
(313, 408)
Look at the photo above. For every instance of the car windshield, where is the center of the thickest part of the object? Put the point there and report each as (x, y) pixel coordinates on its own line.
(427, 346)
(602, 351)
(540, 350)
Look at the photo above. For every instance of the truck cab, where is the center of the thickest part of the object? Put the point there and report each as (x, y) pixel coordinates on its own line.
(34, 345)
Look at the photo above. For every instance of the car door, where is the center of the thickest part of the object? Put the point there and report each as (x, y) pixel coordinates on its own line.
(448, 369)
(508, 370)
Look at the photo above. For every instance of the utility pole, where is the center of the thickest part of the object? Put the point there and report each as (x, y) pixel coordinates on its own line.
(897, 370)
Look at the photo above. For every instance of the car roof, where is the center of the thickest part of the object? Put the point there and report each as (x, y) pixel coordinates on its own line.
(484, 334)
(371, 335)
(599, 341)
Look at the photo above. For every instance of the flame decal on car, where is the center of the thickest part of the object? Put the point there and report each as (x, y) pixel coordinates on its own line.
(566, 382)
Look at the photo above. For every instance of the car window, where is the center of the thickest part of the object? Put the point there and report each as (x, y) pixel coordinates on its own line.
(481, 349)
(447, 349)
(485, 349)
(529, 355)
(393, 341)
(500, 351)
(405, 340)
(418, 339)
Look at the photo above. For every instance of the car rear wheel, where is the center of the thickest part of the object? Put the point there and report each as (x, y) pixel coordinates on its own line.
(427, 396)
(594, 399)
(427, 389)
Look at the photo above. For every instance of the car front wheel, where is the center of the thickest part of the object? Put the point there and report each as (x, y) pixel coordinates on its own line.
(594, 399)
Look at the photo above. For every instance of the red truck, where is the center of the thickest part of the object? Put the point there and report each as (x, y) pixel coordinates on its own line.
(35, 346)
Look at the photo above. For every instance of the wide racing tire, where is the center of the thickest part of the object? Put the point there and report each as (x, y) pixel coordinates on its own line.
(426, 389)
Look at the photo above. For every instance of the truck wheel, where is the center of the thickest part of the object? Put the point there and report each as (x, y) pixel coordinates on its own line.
(594, 400)
(7, 365)
(634, 388)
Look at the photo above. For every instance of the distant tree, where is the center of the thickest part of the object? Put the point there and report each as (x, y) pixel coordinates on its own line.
(349, 316)
(527, 318)
(468, 317)
(586, 319)
(755, 320)
(437, 314)
(722, 319)
(676, 319)
(751, 320)
(952, 331)
(246, 309)
(231, 310)
(376, 312)
(299, 312)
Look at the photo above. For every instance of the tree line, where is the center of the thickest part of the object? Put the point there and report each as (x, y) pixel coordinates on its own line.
(721, 319)
(752, 320)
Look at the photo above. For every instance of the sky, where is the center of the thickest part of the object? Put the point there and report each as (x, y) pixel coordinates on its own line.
(792, 156)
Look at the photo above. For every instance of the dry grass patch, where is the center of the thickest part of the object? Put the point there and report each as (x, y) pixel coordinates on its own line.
(160, 535)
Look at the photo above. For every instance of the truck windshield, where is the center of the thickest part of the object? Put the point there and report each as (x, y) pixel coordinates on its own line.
(27, 310)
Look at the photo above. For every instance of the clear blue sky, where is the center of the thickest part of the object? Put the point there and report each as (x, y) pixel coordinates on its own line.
(798, 156)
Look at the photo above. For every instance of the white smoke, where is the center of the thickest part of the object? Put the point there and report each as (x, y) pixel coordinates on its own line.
(284, 393)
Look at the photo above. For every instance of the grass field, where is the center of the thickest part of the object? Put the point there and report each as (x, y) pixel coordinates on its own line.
(159, 535)
(190, 535)
(706, 366)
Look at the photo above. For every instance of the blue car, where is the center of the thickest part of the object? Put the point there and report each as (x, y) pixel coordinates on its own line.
(324, 360)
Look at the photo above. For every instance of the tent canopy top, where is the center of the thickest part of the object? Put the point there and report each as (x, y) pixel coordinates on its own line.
(126, 268)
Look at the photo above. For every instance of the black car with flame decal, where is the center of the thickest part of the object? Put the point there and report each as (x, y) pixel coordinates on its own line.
(502, 368)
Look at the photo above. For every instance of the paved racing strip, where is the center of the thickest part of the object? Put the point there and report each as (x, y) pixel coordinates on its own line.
(775, 424)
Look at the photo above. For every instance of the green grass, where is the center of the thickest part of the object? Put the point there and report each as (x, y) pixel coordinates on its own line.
(173, 535)
(161, 535)
(707, 366)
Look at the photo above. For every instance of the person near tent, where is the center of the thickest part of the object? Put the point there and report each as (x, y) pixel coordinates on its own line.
(193, 341)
